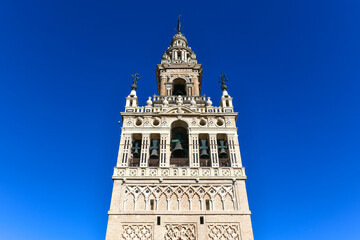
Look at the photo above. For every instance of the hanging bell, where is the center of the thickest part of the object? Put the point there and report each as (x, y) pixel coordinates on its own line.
(154, 153)
(136, 149)
(204, 149)
(178, 149)
(222, 149)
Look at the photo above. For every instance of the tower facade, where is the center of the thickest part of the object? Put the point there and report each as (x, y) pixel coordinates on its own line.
(179, 173)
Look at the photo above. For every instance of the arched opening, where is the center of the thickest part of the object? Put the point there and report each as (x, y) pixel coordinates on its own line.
(204, 150)
(179, 144)
(135, 150)
(223, 150)
(179, 87)
(154, 150)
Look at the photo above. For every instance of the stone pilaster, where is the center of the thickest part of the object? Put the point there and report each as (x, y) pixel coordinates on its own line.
(145, 145)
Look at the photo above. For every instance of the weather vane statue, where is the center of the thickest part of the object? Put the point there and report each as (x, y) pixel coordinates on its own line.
(135, 78)
(179, 24)
(223, 81)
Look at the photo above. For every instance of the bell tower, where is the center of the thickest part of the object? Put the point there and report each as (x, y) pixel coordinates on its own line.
(179, 173)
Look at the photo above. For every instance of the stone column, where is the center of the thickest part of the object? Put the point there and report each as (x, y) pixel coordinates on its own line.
(194, 150)
(213, 150)
(145, 145)
(234, 150)
(164, 150)
(124, 150)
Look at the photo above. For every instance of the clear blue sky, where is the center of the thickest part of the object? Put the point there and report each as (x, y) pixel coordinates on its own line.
(293, 69)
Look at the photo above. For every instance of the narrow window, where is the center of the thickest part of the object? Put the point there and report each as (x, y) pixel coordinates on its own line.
(201, 220)
(152, 204)
(158, 220)
(207, 203)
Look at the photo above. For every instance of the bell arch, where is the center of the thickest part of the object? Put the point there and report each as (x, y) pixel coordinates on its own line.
(179, 144)
(179, 87)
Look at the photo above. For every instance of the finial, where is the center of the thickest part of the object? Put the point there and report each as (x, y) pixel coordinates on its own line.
(179, 25)
(223, 81)
(135, 79)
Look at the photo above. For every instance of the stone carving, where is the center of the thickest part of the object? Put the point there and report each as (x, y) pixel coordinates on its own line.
(229, 231)
(179, 100)
(153, 172)
(121, 172)
(165, 172)
(180, 231)
(206, 172)
(194, 172)
(238, 172)
(226, 172)
(136, 231)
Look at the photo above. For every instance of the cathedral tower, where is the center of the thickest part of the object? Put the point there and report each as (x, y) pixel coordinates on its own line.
(179, 173)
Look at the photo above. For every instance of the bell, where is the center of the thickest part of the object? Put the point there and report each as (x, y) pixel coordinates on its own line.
(135, 149)
(178, 147)
(178, 150)
(222, 151)
(204, 153)
(154, 153)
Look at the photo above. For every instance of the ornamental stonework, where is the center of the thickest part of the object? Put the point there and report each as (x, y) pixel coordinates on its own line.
(180, 231)
(136, 232)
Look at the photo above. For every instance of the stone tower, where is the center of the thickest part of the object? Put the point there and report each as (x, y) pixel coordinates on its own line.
(179, 173)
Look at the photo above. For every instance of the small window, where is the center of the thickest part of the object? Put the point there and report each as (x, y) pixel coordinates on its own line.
(207, 204)
(201, 220)
(158, 220)
(152, 204)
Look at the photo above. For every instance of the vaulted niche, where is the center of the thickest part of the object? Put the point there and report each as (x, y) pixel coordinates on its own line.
(135, 150)
(179, 144)
(154, 150)
(179, 87)
(223, 150)
(204, 150)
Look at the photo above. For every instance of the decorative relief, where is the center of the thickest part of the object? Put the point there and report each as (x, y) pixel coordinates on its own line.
(153, 172)
(137, 232)
(200, 191)
(206, 172)
(194, 172)
(227, 172)
(238, 172)
(228, 231)
(133, 172)
(165, 172)
(121, 172)
(180, 231)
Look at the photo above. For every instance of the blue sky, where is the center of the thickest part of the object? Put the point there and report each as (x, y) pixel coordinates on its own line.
(293, 69)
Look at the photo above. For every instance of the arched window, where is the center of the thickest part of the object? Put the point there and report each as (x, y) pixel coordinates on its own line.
(179, 144)
(179, 87)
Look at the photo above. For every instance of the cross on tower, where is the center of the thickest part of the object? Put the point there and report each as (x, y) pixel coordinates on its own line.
(135, 78)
